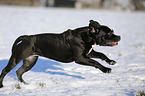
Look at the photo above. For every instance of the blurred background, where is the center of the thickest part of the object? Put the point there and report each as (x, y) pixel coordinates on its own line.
(125, 17)
(80, 4)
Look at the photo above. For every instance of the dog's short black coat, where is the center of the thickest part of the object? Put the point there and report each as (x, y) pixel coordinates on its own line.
(69, 46)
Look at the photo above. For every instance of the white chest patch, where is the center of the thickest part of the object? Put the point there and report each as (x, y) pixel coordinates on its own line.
(89, 51)
(92, 48)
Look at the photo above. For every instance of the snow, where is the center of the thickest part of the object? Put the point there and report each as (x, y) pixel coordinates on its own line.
(52, 78)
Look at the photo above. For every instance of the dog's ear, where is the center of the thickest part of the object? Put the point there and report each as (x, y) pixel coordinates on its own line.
(94, 24)
(92, 30)
(92, 21)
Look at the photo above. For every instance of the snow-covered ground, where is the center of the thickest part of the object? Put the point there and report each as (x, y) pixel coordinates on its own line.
(51, 78)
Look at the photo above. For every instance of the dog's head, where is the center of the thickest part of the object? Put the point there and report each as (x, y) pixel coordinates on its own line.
(103, 35)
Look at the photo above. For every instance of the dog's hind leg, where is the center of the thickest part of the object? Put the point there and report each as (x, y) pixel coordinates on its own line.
(20, 52)
(11, 64)
(28, 63)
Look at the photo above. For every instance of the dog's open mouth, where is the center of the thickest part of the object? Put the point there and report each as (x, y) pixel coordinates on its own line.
(112, 43)
(109, 44)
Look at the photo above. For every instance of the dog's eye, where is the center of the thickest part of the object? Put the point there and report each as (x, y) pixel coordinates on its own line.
(97, 30)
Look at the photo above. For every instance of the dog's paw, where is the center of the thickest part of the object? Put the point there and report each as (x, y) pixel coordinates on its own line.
(111, 62)
(106, 70)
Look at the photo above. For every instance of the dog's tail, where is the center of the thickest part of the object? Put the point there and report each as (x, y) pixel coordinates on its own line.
(18, 41)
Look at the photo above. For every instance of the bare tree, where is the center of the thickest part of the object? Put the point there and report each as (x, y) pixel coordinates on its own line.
(138, 4)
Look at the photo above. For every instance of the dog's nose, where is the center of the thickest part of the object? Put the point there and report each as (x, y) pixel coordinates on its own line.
(119, 38)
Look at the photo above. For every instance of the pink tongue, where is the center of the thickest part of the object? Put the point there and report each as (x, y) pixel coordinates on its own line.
(114, 43)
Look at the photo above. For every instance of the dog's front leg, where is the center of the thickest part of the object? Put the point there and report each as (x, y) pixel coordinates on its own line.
(89, 62)
(94, 54)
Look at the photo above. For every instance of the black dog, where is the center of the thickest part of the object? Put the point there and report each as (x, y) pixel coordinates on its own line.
(72, 45)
